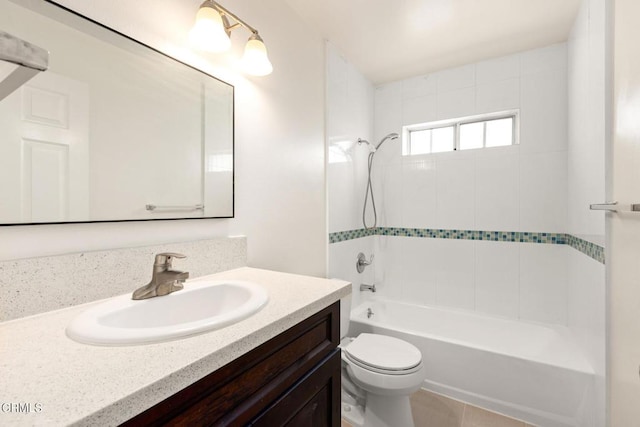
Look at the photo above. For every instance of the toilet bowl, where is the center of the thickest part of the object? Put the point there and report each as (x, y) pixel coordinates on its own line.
(378, 375)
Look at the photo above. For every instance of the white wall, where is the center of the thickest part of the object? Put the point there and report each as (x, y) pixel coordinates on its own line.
(586, 183)
(515, 188)
(350, 99)
(279, 142)
(587, 140)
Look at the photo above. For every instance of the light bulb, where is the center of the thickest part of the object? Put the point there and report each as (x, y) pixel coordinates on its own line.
(255, 60)
(209, 33)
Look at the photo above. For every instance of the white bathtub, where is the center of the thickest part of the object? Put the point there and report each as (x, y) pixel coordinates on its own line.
(525, 370)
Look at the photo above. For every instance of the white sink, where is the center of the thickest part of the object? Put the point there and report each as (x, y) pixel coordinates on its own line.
(203, 305)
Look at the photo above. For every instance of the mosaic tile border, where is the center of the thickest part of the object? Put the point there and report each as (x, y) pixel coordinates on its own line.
(341, 236)
(588, 248)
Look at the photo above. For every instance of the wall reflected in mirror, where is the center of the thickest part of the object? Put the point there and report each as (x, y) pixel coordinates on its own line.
(112, 131)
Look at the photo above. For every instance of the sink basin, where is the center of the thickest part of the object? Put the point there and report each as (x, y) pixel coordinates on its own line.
(203, 305)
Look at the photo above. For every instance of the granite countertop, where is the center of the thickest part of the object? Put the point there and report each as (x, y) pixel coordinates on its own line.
(48, 379)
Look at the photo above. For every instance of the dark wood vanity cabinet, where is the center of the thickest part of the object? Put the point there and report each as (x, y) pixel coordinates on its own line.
(291, 380)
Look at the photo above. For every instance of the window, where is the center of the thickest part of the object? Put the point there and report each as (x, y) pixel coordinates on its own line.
(487, 130)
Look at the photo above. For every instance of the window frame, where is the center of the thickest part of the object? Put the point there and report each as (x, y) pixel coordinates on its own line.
(456, 123)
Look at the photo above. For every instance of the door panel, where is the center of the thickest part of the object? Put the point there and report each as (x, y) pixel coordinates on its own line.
(623, 259)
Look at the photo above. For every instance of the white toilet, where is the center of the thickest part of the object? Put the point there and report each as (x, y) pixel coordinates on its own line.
(378, 374)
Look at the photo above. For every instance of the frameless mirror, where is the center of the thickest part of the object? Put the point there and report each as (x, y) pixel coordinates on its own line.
(113, 130)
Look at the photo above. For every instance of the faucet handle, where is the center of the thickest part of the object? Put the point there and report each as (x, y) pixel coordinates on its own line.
(362, 262)
(166, 258)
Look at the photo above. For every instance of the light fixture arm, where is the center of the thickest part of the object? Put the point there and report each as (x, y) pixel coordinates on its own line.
(225, 12)
(212, 32)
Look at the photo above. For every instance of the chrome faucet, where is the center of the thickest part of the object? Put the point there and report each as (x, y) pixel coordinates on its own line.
(164, 280)
(371, 288)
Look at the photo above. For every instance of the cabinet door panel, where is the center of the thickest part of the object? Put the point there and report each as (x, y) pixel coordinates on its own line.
(313, 402)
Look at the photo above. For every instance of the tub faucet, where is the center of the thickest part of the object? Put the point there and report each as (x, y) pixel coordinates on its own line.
(364, 287)
(164, 280)
(362, 263)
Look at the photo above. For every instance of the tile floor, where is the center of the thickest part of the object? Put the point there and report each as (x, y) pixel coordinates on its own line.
(433, 410)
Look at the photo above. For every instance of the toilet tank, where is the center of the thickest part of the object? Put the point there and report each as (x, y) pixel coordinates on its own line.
(345, 315)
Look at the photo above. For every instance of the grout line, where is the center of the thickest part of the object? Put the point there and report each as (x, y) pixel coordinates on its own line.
(464, 415)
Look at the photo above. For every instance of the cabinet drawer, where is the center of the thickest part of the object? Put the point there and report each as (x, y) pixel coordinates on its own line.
(313, 402)
(240, 390)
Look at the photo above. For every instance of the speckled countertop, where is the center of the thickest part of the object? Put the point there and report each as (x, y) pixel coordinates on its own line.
(61, 382)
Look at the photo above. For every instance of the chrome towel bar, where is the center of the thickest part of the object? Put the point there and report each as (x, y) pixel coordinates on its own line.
(615, 207)
(607, 206)
(153, 208)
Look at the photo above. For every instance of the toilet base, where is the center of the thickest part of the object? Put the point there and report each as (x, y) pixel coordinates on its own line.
(387, 411)
(353, 414)
(380, 411)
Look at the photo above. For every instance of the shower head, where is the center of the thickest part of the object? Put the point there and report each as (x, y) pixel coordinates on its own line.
(374, 148)
(390, 136)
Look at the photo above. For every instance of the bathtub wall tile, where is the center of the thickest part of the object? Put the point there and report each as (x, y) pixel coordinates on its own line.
(419, 257)
(497, 267)
(388, 266)
(419, 193)
(543, 192)
(586, 311)
(497, 69)
(421, 109)
(543, 283)
(388, 196)
(498, 96)
(497, 191)
(342, 264)
(350, 105)
(455, 267)
(455, 192)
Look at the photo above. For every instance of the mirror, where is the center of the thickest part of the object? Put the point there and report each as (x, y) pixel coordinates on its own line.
(113, 130)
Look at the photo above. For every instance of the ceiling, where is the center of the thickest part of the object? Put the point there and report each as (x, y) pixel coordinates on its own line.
(389, 40)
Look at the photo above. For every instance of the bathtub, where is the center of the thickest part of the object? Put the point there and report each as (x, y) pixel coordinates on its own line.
(525, 370)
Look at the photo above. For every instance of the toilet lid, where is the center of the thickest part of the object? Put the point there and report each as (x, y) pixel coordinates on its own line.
(383, 352)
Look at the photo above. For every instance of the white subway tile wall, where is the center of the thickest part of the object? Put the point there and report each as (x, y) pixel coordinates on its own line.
(586, 183)
(498, 278)
(350, 104)
(514, 188)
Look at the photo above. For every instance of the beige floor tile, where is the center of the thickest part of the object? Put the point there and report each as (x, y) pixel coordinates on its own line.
(478, 417)
(432, 410)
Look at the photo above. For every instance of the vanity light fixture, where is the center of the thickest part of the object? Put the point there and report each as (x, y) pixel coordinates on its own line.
(212, 30)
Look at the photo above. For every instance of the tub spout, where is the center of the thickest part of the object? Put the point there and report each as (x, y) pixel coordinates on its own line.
(364, 287)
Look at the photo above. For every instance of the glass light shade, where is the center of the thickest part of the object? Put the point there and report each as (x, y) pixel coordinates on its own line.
(255, 60)
(208, 33)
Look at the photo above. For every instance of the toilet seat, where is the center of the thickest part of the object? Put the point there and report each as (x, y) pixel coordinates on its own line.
(383, 354)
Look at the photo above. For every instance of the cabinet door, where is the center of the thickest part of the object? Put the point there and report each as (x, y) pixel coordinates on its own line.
(314, 401)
